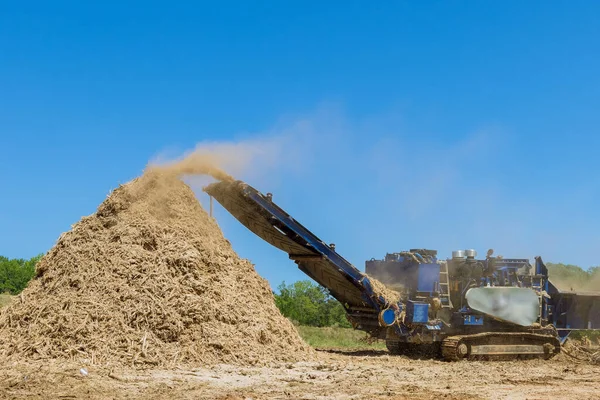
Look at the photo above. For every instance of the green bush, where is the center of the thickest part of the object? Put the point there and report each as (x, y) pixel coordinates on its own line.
(15, 273)
(307, 303)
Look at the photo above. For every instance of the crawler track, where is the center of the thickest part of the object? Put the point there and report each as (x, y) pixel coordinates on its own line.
(500, 346)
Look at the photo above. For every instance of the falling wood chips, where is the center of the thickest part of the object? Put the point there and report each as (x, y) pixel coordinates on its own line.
(148, 279)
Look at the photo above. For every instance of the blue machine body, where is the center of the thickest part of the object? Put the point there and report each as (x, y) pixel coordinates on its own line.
(428, 277)
(417, 313)
(475, 320)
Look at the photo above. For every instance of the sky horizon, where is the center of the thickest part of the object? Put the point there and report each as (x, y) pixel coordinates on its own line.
(380, 127)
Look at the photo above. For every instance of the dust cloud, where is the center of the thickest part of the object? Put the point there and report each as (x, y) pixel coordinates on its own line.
(594, 283)
(244, 159)
(576, 284)
(196, 163)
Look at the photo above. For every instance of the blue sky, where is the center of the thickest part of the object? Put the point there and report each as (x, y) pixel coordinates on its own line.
(393, 124)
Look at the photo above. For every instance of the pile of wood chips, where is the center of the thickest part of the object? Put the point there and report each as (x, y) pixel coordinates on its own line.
(581, 350)
(148, 279)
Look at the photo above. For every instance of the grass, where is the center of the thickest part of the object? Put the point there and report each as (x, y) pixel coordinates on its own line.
(5, 299)
(334, 337)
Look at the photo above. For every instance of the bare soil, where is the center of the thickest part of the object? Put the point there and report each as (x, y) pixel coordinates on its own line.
(331, 375)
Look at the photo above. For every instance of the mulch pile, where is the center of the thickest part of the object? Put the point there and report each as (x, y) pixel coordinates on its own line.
(148, 279)
(581, 350)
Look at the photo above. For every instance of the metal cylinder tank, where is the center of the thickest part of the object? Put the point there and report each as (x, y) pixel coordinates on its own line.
(471, 253)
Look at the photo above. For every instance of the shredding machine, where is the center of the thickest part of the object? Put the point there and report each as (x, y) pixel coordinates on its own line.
(463, 307)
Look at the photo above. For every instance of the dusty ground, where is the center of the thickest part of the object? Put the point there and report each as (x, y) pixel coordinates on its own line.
(337, 375)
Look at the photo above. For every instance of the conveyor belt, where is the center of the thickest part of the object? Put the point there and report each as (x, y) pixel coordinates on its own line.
(315, 258)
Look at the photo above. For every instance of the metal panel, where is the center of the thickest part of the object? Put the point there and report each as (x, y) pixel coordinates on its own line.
(417, 313)
(472, 320)
(429, 277)
(505, 349)
(576, 310)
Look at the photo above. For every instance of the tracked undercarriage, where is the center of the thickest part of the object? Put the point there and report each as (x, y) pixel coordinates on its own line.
(499, 346)
(482, 346)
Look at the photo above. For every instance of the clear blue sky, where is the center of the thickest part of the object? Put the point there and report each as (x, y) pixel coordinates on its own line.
(439, 124)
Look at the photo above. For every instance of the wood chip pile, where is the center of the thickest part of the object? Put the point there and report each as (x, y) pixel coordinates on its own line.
(148, 279)
(581, 350)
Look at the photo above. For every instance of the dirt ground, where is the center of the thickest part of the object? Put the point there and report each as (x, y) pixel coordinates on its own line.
(332, 375)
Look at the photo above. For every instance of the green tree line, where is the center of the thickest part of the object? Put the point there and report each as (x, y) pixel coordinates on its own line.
(306, 303)
(16, 273)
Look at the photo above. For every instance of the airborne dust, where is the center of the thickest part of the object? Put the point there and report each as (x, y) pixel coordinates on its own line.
(575, 281)
(198, 163)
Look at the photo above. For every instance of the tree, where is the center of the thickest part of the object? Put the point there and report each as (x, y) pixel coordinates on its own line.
(16, 273)
(309, 304)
